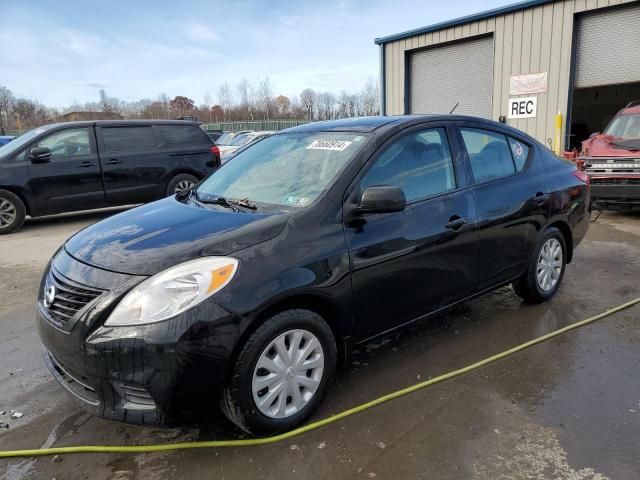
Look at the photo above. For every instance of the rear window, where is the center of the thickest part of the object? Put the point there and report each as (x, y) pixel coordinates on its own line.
(117, 139)
(173, 134)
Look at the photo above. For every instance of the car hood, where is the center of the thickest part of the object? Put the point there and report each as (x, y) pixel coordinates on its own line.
(609, 146)
(156, 236)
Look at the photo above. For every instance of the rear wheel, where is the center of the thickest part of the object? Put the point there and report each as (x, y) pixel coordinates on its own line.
(545, 270)
(180, 183)
(12, 212)
(281, 373)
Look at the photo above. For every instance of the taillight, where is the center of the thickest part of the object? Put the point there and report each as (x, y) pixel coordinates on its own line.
(583, 177)
(215, 150)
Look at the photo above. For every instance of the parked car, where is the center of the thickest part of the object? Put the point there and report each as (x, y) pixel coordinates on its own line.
(242, 140)
(612, 160)
(229, 136)
(4, 139)
(215, 134)
(249, 288)
(83, 165)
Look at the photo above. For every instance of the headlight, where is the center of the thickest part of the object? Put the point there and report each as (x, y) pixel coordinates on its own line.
(173, 291)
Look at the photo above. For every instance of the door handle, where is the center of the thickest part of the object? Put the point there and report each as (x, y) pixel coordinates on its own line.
(86, 165)
(113, 161)
(540, 198)
(456, 222)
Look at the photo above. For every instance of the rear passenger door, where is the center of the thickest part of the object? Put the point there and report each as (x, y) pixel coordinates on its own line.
(133, 166)
(512, 198)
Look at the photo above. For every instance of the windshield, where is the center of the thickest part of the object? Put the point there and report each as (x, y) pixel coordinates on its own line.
(289, 169)
(224, 139)
(21, 141)
(625, 126)
(239, 140)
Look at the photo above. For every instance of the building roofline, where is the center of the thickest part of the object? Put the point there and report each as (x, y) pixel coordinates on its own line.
(461, 20)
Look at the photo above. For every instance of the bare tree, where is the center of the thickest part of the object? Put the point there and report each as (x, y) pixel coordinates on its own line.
(326, 104)
(225, 99)
(24, 111)
(308, 101)
(6, 101)
(208, 102)
(264, 97)
(369, 95)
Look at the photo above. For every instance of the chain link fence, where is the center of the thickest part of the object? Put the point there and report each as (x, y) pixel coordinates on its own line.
(253, 125)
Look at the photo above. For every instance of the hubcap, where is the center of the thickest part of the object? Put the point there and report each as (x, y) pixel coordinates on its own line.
(183, 185)
(549, 265)
(7, 212)
(288, 374)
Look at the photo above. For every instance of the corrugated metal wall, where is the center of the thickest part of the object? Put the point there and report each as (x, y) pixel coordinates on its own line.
(537, 39)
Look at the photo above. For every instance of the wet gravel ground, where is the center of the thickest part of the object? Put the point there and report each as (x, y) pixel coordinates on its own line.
(565, 409)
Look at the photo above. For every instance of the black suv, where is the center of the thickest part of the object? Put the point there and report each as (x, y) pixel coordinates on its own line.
(83, 165)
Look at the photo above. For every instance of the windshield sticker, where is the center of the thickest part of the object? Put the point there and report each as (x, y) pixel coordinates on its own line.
(335, 145)
(297, 201)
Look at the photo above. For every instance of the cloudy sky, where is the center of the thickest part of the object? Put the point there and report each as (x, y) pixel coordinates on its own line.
(63, 52)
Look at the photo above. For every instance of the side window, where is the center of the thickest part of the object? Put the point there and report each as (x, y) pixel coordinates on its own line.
(489, 153)
(118, 139)
(67, 143)
(520, 152)
(19, 157)
(419, 163)
(176, 134)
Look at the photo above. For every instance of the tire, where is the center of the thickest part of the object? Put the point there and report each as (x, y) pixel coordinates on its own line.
(239, 402)
(12, 212)
(180, 182)
(528, 286)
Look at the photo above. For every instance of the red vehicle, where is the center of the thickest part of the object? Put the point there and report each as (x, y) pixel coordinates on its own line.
(612, 160)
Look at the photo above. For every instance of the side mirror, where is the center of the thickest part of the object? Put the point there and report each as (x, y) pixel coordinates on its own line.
(382, 199)
(594, 134)
(40, 155)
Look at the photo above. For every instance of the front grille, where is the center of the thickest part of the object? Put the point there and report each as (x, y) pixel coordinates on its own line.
(76, 384)
(615, 181)
(69, 299)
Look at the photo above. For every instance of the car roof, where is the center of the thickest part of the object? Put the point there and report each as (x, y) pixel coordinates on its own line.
(116, 123)
(370, 124)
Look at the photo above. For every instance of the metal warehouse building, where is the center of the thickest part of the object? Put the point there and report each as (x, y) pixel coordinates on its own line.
(524, 62)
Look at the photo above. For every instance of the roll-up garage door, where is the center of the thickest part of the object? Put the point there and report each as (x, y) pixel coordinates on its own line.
(608, 47)
(460, 73)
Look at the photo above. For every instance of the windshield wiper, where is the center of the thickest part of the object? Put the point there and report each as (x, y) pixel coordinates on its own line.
(245, 203)
(217, 200)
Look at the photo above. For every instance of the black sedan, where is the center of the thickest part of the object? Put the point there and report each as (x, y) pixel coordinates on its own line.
(246, 290)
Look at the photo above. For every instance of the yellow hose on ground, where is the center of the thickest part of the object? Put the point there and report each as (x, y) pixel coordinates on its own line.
(320, 423)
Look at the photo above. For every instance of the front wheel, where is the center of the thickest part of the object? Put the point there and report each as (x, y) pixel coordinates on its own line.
(545, 269)
(281, 373)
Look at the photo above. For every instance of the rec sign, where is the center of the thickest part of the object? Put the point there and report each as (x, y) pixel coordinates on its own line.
(523, 107)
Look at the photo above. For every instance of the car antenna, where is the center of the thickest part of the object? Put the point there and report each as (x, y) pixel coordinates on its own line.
(454, 107)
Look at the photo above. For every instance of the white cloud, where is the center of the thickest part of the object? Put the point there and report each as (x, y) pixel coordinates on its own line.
(200, 32)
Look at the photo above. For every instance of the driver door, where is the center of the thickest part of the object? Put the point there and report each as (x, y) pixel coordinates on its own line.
(410, 263)
(71, 179)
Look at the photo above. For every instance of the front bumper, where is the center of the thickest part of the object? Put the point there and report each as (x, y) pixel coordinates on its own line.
(150, 374)
(616, 191)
